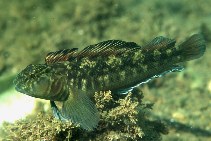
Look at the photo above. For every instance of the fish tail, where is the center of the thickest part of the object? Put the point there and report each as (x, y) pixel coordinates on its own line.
(193, 48)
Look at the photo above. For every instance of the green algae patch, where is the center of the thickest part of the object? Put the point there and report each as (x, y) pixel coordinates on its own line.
(42, 127)
(121, 118)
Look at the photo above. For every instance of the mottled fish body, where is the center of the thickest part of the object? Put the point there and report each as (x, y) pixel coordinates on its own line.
(71, 77)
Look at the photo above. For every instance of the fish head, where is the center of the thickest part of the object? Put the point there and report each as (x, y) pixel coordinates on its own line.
(43, 81)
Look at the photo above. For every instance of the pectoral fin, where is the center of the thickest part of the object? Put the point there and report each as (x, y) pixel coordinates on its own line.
(79, 109)
(56, 112)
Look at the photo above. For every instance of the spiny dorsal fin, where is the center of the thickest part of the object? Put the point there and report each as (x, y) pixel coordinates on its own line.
(60, 56)
(104, 48)
(160, 42)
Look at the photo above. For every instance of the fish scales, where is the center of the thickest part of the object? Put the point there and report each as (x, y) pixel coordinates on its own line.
(108, 72)
(70, 78)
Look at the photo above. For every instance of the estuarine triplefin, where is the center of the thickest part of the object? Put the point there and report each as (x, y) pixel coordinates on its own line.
(69, 78)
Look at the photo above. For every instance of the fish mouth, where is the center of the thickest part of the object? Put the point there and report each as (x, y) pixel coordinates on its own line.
(15, 81)
(18, 85)
(18, 89)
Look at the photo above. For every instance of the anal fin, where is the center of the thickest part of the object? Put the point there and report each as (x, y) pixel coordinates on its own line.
(57, 114)
(123, 91)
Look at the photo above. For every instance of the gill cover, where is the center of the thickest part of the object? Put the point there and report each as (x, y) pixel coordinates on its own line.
(43, 81)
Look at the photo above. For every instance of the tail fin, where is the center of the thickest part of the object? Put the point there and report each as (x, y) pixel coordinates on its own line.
(193, 48)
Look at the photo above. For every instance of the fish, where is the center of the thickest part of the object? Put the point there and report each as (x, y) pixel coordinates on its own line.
(69, 77)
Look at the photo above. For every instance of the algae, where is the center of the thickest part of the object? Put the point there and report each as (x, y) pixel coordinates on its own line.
(121, 119)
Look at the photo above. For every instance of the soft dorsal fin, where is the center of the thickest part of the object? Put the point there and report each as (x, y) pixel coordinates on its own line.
(160, 42)
(60, 56)
(107, 47)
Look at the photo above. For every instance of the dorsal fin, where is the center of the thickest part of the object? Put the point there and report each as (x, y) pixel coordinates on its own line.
(160, 42)
(60, 56)
(107, 47)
